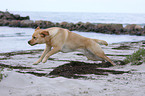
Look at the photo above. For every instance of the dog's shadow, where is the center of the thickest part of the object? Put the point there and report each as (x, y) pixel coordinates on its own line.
(76, 69)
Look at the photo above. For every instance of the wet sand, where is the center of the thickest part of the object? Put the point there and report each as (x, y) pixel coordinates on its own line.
(71, 74)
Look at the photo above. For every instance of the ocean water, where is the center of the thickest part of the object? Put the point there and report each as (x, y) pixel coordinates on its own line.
(16, 39)
(119, 18)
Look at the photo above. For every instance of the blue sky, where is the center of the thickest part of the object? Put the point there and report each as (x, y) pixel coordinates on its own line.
(100, 6)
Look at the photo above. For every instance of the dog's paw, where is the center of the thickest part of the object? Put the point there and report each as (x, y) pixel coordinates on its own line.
(44, 60)
(114, 64)
(36, 63)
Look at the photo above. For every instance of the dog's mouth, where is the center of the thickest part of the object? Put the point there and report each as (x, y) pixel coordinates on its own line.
(32, 44)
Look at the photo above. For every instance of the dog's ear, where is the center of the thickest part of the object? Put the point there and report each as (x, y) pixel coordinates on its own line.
(37, 28)
(44, 33)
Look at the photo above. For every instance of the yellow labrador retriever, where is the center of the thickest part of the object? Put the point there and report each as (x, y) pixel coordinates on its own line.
(63, 40)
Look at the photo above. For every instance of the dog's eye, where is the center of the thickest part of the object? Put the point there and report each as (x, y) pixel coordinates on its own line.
(34, 37)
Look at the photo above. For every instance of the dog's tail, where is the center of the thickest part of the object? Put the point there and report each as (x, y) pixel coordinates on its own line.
(100, 41)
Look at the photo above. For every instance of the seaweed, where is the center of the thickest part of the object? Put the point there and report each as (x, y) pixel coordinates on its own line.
(122, 47)
(137, 58)
(2, 75)
(78, 69)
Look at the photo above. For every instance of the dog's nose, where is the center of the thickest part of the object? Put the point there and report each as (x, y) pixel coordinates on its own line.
(29, 42)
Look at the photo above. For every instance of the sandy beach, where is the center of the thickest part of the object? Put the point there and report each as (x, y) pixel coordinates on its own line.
(22, 78)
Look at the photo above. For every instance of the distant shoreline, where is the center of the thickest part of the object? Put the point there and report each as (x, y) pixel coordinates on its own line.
(11, 20)
(92, 17)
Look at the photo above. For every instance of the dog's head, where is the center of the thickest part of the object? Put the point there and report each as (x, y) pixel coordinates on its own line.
(38, 37)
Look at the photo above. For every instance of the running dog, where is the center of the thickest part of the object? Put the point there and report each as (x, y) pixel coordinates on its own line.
(62, 40)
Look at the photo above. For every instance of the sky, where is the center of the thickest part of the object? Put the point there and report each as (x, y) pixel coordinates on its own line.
(99, 6)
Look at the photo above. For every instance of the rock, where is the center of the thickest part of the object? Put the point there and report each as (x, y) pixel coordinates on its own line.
(9, 16)
(133, 27)
(6, 22)
(130, 27)
(57, 24)
(70, 26)
(1, 22)
(1, 15)
(80, 26)
(137, 27)
(63, 24)
(117, 27)
(14, 23)
(17, 17)
(138, 33)
(43, 24)
(39, 23)
(89, 27)
(49, 24)
(109, 28)
(26, 23)
(24, 18)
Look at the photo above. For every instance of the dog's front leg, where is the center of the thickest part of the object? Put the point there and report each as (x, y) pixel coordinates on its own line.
(46, 50)
(53, 51)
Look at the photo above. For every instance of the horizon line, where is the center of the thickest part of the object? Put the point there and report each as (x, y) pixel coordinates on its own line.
(72, 11)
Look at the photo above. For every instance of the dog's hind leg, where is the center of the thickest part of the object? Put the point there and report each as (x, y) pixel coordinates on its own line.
(95, 49)
(91, 56)
(108, 59)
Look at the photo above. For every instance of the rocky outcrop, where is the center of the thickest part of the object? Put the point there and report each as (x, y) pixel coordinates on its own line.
(9, 16)
(43, 24)
(26, 23)
(14, 23)
(134, 29)
(110, 28)
(11, 20)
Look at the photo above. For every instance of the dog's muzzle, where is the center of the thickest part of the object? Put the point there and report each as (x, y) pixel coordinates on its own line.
(29, 42)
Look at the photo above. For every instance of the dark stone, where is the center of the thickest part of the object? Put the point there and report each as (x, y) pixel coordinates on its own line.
(139, 33)
(26, 23)
(43, 24)
(6, 22)
(25, 18)
(1, 15)
(9, 16)
(14, 23)
(109, 28)
(17, 17)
